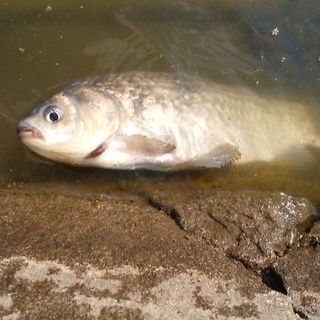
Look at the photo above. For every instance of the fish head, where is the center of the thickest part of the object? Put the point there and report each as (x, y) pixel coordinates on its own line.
(70, 125)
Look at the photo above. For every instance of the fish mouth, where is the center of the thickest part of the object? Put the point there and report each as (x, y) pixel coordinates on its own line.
(28, 132)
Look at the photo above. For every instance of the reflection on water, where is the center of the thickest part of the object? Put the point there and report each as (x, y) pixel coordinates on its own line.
(271, 46)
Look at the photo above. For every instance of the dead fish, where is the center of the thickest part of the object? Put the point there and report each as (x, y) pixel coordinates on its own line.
(141, 120)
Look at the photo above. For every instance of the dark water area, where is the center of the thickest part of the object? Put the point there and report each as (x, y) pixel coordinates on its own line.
(269, 46)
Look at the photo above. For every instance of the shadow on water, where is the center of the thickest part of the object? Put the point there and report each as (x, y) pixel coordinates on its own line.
(270, 46)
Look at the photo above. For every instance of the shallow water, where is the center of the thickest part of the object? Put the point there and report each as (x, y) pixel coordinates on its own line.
(271, 46)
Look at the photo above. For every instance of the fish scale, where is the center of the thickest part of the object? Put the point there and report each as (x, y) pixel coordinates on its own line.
(165, 122)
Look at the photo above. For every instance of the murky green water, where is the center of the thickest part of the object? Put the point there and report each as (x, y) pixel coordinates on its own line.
(272, 46)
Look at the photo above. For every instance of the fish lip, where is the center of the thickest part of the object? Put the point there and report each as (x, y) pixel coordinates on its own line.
(24, 131)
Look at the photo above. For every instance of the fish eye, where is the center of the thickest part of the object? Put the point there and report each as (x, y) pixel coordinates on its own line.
(52, 113)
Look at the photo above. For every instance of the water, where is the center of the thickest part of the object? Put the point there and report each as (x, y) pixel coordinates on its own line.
(271, 46)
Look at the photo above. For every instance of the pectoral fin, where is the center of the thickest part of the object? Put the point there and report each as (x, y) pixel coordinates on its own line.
(219, 157)
(137, 145)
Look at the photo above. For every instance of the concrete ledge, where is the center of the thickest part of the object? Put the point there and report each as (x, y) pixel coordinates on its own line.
(197, 255)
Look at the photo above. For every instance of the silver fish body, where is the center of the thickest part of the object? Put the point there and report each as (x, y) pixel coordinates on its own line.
(164, 122)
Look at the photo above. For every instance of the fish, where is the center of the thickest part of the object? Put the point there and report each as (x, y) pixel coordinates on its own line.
(165, 122)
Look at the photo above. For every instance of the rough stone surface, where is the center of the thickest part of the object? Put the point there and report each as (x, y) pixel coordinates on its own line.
(197, 255)
(253, 227)
(303, 280)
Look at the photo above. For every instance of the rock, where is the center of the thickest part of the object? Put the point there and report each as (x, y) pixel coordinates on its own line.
(119, 257)
(300, 271)
(253, 227)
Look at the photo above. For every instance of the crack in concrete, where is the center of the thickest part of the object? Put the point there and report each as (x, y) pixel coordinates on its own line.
(273, 280)
(299, 313)
(170, 211)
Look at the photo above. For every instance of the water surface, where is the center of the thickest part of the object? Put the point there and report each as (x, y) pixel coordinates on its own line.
(270, 46)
